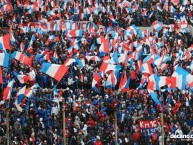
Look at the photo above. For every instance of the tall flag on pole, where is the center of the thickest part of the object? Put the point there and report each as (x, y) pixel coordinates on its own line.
(28, 92)
(54, 70)
(124, 82)
(8, 90)
(22, 78)
(4, 42)
(4, 60)
(20, 95)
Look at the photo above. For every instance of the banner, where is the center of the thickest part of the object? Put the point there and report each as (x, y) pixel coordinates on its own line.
(150, 126)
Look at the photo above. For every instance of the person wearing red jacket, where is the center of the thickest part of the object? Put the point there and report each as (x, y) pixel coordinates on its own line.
(154, 138)
(133, 77)
(98, 142)
(136, 137)
(91, 122)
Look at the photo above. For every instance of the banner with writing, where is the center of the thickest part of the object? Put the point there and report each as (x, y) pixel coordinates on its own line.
(150, 126)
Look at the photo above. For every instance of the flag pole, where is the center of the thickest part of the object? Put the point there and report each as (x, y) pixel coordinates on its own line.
(162, 127)
(7, 121)
(162, 119)
(116, 138)
(7, 101)
(2, 79)
(64, 125)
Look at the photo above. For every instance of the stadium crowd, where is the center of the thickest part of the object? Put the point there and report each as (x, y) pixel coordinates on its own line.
(109, 50)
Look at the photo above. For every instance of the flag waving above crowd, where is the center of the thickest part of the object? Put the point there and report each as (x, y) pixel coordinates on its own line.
(95, 58)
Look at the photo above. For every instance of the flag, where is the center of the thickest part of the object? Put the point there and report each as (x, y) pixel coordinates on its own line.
(29, 91)
(8, 90)
(185, 2)
(113, 67)
(138, 52)
(19, 98)
(69, 61)
(136, 31)
(181, 75)
(23, 79)
(74, 33)
(115, 57)
(172, 9)
(124, 82)
(22, 47)
(92, 47)
(154, 96)
(7, 7)
(175, 2)
(159, 60)
(52, 38)
(55, 91)
(157, 25)
(4, 60)
(96, 79)
(80, 62)
(139, 63)
(90, 2)
(20, 95)
(17, 55)
(4, 42)
(187, 54)
(191, 66)
(163, 66)
(145, 33)
(22, 58)
(146, 68)
(104, 47)
(111, 80)
(143, 81)
(128, 33)
(93, 58)
(54, 70)
(149, 59)
(190, 48)
(113, 19)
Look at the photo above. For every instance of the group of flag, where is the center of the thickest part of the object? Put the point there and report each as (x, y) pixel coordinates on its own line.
(114, 54)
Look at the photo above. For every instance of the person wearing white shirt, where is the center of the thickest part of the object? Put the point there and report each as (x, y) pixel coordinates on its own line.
(178, 131)
(70, 81)
(55, 109)
(160, 140)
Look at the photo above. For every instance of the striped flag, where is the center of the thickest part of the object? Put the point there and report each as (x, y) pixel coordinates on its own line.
(22, 78)
(8, 90)
(54, 70)
(4, 42)
(4, 60)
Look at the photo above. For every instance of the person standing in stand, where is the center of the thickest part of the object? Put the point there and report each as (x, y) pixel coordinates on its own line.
(133, 77)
